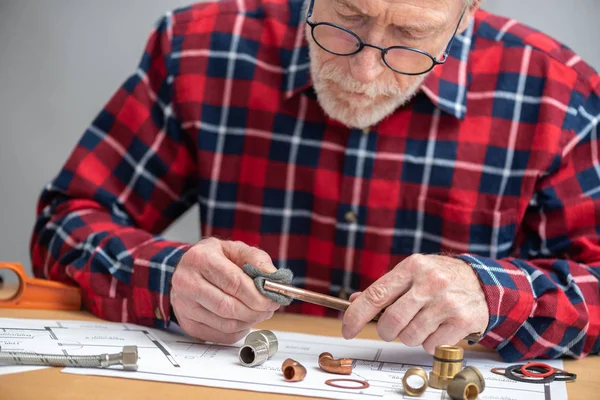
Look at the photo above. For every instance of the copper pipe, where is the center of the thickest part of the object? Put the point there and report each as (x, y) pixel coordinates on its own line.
(292, 370)
(343, 366)
(310, 297)
(321, 299)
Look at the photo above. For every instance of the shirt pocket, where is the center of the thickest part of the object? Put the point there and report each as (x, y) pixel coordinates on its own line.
(433, 226)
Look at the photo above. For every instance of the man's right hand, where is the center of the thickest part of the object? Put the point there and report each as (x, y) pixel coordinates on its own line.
(213, 299)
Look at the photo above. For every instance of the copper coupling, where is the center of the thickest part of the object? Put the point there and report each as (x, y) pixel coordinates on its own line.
(343, 366)
(466, 385)
(258, 347)
(447, 362)
(292, 370)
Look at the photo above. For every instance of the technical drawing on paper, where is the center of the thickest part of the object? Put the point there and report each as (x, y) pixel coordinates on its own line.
(84, 338)
(380, 363)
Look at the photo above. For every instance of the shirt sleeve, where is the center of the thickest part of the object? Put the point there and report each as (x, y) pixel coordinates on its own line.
(127, 179)
(546, 303)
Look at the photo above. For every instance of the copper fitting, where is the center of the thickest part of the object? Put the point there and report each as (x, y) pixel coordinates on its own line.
(447, 362)
(324, 300)
(343, 366)
(414, 391)
(466, 385)
(293, 371)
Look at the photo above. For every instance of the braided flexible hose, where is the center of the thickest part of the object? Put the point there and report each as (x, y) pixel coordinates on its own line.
(19, 358)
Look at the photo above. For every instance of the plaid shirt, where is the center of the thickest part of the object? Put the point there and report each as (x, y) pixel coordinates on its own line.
(494, 161)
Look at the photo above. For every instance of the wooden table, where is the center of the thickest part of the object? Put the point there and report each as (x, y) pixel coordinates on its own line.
(50, 383)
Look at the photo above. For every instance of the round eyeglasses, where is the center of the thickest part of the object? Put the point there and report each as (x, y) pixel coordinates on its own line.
(405, 60)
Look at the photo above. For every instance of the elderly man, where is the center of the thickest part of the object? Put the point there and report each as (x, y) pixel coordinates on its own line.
(422, 156)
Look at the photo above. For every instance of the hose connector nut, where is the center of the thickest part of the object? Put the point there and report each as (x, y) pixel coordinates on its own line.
(466, 385)
(130, 358)
(447, 362)
(258, 347)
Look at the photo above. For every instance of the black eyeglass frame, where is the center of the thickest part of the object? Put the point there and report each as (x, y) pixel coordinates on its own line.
(434, 61)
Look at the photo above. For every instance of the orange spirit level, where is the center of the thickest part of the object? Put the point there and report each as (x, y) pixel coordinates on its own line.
(40, 293)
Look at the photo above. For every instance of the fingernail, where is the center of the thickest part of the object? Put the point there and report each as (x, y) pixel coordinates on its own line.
(266, 267)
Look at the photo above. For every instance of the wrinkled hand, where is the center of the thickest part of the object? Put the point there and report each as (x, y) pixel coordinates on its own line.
(213, 299)
(431, 300)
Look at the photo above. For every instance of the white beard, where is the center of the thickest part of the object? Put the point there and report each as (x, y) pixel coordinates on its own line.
(383, 98)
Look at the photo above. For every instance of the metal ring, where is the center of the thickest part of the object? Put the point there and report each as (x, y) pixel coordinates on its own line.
(546, 370)
(509, 372)
(331, 382)
(414, 391)
(498, 371)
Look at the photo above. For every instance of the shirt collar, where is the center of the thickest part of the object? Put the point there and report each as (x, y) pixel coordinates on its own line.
(446, 85)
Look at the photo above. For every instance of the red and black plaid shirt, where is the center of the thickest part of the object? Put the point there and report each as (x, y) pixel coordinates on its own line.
(495, 160)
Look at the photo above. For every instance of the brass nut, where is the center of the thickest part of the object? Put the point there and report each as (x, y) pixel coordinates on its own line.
(467, 384)
(411, 390)
(447, 362)
(462, 390)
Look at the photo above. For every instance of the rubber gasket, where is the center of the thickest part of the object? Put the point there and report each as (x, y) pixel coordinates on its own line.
(509, 372)
(546, 370)
(331, 382)
(560, 375)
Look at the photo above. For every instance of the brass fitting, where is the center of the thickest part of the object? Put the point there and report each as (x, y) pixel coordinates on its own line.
(412, 390)
(447, 362)
(293, 371)
(343, 366)
(466, 385)
(258, 347)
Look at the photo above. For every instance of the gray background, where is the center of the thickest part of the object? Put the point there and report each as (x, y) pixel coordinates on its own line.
(61, 60)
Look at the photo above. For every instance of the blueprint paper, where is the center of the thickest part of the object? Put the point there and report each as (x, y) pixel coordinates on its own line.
(380, 363)
(83, 338)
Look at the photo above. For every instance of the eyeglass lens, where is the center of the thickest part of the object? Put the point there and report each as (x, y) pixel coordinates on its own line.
(341, 42)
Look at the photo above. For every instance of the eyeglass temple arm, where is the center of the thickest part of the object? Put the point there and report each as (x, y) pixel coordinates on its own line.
(447, 52)
(310, 9)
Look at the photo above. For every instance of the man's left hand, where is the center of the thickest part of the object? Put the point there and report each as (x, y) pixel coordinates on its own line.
(430, 299)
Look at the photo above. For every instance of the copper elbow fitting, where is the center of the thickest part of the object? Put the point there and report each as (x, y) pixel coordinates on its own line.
(447, 362)
(292, 370)
(466, 385)
(343, 366)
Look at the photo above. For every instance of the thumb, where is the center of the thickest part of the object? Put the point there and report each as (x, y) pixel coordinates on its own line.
(354, 295)
(240, 253)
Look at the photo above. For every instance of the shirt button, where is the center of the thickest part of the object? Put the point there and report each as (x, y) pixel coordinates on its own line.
(157, 313)
(350, 217)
